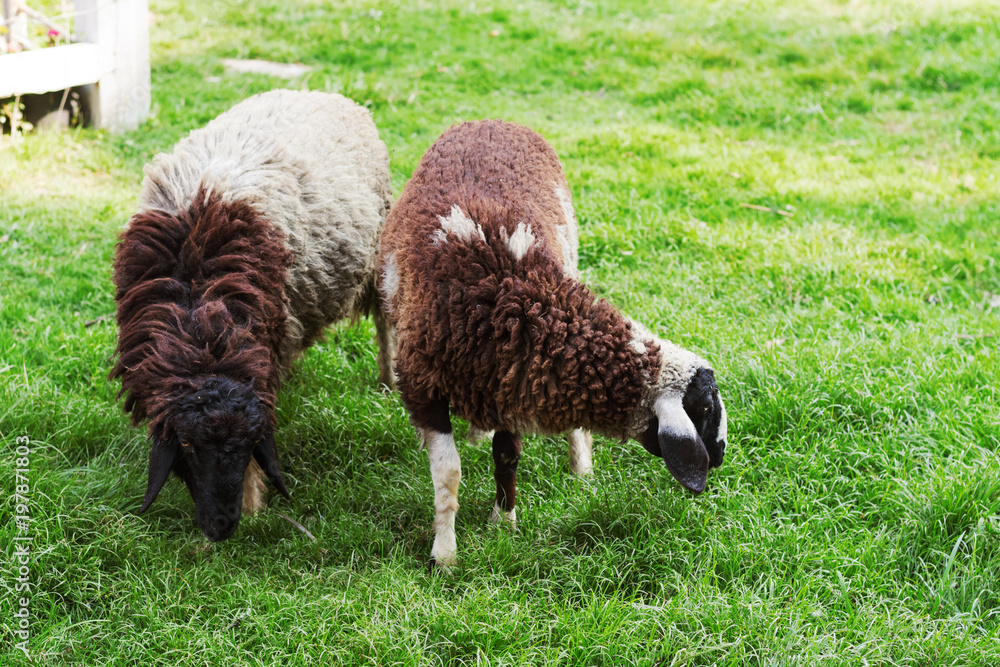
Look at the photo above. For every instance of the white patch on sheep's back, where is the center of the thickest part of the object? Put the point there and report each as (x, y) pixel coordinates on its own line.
(566, 234)
(460, 225)
(640, 336)
(520, 242)
(669, 411)
(390, 281)
(637, 346)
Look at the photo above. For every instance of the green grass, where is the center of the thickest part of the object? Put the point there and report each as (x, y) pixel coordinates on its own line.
(856, 519)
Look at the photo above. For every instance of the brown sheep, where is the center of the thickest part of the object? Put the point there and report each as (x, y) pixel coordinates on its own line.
(477, 270)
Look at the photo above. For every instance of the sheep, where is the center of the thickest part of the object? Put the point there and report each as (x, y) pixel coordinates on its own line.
(477, 272)
(252, 236)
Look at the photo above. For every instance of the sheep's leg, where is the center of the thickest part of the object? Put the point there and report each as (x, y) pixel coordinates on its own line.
(581, 448)
(506, 454)
(253, 488)
(475, 435)
(446, 472)
(385, 337)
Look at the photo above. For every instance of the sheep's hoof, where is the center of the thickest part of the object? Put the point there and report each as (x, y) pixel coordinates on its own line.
(435, 566)
(506, 518)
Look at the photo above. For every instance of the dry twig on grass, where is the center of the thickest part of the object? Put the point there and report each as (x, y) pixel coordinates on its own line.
(94, 321)
(767, 209)
(296, 524)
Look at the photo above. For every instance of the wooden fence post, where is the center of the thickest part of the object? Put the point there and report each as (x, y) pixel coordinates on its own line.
(120, 99)
(8, 17)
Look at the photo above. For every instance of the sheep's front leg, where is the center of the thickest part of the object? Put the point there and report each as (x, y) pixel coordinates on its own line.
(446, 473)
(506, 454)
(581, 448)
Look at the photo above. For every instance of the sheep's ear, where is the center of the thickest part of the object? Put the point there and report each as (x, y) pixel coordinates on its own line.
(266, 454)
(681, 447)
(650, 438)
(161, 460)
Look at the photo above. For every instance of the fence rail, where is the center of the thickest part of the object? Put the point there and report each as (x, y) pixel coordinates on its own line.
(110, 60)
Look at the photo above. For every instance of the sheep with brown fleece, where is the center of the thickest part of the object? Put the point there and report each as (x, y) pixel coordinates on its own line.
(252, 236)
(477, 270)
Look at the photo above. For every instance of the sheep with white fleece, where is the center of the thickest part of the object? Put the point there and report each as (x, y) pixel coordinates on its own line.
(252, 236)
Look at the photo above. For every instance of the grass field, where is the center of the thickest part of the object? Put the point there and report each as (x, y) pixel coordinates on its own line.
(856, 519)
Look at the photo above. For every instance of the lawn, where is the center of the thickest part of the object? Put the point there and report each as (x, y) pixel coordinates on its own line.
(854, 325)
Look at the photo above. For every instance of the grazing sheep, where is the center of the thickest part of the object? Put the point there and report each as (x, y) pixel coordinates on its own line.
(252, 236)
(477, 270)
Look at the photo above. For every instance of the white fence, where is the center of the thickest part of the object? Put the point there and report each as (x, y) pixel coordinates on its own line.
(110, 58)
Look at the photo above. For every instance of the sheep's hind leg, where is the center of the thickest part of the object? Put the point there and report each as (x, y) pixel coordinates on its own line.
(475, 435)
(506, 455)
(446, 472)
(385, 337)
(581, 448)
(253, 489)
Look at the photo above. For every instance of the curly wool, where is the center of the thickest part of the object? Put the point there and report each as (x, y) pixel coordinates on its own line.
(479, 276)
(252, 236)
(199, 294)
(313, 166)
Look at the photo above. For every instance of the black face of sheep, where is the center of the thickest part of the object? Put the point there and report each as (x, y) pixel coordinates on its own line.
(215, 426)
(689, 432)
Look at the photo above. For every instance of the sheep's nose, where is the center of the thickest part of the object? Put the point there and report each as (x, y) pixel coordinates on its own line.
(716, 461)
(220, 523)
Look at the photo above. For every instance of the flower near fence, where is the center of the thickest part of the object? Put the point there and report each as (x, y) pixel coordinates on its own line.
(27, 28)
(100, 47)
